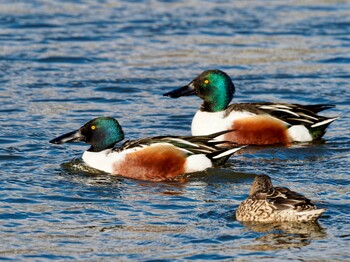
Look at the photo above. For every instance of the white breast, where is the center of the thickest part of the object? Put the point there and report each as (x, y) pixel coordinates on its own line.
(105, 159)
(102, 160)
(206, 123)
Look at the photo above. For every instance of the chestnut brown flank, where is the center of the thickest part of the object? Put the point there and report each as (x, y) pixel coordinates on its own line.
(156, 163)
(258, 130)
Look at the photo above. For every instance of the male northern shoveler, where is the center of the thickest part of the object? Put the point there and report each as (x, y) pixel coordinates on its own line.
(270, 204)
(253, 123)
(155, 158)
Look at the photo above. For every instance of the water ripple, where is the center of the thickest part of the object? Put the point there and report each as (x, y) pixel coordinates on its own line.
(65, 62)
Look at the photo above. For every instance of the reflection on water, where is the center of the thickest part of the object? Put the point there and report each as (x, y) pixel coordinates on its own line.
(284, 235)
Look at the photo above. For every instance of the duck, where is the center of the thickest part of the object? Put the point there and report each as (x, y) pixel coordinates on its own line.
(269, 204)
(159, 158)
(263, 123)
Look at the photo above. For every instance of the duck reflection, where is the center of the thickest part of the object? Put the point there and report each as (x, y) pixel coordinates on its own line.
(77, 171)
(284, 235)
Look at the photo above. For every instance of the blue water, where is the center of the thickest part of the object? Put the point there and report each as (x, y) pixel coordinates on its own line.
(63, 63)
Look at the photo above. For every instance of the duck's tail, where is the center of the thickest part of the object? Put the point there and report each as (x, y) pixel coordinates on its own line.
(310, 215)
(220, 157)
(318, 107)
(318, 129)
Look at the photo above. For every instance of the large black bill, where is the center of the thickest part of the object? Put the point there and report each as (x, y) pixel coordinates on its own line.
(74, 136)
(183, 91)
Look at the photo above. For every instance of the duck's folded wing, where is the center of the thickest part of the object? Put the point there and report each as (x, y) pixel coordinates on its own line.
(282, 198)
(192, 144)
(291, 114)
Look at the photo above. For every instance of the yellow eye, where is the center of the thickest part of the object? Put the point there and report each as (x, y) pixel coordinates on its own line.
(93, 127)
(206, 81)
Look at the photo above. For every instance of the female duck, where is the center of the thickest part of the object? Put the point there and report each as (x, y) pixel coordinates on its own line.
(253, 123)
(155, 158)
(270, 204)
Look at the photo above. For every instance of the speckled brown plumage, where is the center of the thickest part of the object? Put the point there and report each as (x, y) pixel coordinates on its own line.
(275, 204)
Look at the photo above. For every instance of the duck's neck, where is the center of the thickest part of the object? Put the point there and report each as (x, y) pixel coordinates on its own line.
(97, 149)
(216, 104)
(105, 141)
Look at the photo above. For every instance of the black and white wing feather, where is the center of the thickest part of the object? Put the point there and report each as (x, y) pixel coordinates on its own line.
(217, 151)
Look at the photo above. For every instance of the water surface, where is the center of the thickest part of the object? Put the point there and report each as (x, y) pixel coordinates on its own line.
(63, 63)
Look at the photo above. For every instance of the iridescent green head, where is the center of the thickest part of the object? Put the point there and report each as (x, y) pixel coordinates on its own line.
(213, 86)
(101, 133)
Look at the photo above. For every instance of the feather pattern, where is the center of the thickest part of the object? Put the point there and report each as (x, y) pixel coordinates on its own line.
(191, 145)
(292, 114)
(275, 204)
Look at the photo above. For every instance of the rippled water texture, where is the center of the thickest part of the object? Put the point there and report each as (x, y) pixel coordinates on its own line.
(64, 62)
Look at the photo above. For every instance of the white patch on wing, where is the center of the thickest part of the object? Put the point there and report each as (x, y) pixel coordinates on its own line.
(197, 163)
(288, 111)
(301, 120)
(324, 122)
(299, 133)
(206, 123)
(274, 106)
(183, 142)
(228, 152)
(280, 108)
(307, 116)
